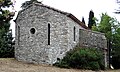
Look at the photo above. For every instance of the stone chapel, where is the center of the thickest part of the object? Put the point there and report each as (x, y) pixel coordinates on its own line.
(44, 34)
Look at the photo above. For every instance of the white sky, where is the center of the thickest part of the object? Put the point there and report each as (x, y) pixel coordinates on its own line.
(79, 8)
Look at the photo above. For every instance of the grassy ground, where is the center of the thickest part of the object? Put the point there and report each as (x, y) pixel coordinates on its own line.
(12, 65)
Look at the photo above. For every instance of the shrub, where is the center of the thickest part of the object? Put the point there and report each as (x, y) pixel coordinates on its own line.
(82, 58)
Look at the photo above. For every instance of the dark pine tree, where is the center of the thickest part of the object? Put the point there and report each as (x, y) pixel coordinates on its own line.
(83, 21)
(91, 21)
(6, 49)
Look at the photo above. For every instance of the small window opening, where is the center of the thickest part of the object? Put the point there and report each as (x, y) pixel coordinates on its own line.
(74, 33)
(32, 30)
(48, 34)
(18, 34)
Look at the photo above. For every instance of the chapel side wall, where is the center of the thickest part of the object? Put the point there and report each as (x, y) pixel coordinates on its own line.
(71, 42)
(58, 34)
(92, 39)
(34, 47)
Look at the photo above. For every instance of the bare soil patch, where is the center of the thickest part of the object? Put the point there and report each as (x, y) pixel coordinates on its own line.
(12, 65)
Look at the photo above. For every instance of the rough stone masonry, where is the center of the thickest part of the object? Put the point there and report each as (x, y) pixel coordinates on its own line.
(92, 39)
(44, 34)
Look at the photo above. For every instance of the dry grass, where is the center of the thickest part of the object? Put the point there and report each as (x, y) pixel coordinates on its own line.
(12, 65)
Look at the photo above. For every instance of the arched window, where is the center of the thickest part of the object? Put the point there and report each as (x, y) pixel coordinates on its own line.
(48, 34)
(74, 33)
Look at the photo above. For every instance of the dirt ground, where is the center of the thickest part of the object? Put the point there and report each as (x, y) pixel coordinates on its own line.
(12, 65)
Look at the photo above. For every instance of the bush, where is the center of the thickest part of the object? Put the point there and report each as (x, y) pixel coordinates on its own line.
(82, 58)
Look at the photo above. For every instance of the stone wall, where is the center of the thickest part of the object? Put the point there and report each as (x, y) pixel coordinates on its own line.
(92, 39)
(34, 47)
(71, 25)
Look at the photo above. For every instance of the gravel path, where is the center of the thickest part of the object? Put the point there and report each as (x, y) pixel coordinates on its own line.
(12, 65)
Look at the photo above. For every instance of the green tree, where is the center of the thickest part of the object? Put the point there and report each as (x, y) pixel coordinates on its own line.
(6, 49)
(91, 21)
(110, 26)
(105, 25)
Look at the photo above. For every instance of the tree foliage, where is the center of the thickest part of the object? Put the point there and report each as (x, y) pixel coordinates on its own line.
(91, 20)
(105, 25)
(82, 58)
(6, 49)
(111, 27)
